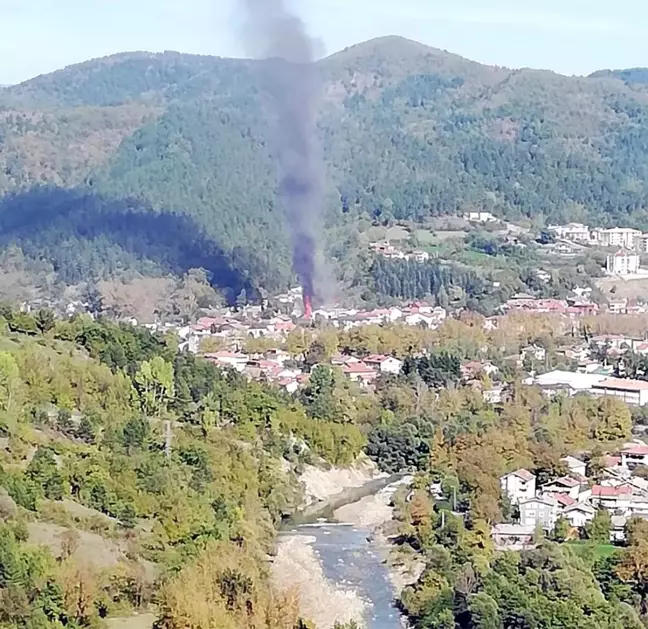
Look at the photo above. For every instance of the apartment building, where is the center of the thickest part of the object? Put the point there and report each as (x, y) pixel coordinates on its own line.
(616, 237)
(623, 263)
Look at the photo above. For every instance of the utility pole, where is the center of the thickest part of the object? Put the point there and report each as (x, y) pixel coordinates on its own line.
(168, 435)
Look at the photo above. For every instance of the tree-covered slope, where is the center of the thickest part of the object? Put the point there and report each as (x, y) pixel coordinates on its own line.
(407, 132)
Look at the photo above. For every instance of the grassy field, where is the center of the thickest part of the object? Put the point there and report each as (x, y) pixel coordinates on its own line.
(397, 233)
(427, 237)
(600, 551)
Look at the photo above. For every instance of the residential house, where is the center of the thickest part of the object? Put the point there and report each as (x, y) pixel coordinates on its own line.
(565, 485)
(234, 360)
(572, 231)
(384, 364)
(419, 256)
(474, 368)
(342, 359)
(611, 463)
(539, 511)
(617, 530)
(494, 395)
(480, 217)
(279, 356)
(618, 342)
(534, 352)
(513, 536)
(576, 466)
(430, 321)
(611, 498)
(617, 306)
(360, 372)
(579, 514)
(519, 485)
(633, 392)
(291, 385)
(634, 454)
(622, 263)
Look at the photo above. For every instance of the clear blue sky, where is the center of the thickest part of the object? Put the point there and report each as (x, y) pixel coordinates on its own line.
(569, 36)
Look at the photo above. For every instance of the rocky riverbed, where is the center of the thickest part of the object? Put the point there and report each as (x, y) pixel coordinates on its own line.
(340, 567)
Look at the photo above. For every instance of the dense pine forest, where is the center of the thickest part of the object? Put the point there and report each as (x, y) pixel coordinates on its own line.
(90, 154)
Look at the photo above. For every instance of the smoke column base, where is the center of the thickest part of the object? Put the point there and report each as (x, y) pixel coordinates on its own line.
(308, 307)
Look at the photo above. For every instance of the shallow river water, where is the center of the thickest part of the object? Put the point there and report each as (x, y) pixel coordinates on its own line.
(350, 562)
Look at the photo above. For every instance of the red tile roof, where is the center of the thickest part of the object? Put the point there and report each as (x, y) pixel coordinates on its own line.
(622, 384)
(358, 368)
(523, 474)
(564, 500)
(637, 449)
(375, 358)
(599, 491)
(567, 481)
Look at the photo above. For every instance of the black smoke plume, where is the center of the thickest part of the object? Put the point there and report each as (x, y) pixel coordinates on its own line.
(272, 32)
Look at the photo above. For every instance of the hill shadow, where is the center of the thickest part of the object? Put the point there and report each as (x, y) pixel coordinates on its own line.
(86, 236)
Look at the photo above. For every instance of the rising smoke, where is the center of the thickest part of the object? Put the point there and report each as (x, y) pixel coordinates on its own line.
(274, 33)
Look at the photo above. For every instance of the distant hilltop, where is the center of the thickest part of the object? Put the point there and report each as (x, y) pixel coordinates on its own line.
(409, 133)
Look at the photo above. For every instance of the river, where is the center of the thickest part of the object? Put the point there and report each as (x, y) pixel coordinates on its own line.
(350, 562)
(341, 575)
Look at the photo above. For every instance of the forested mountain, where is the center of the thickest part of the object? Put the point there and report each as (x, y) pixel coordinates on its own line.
(408, 132)
(632, 76)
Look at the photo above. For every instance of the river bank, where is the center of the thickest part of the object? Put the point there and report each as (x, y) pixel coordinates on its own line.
(374, 513)
(341, 568)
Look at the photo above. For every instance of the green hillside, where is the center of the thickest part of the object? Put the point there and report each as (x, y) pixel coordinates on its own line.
(408, 133)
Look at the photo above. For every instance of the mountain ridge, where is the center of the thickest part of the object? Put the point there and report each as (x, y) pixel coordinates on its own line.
(408, 133)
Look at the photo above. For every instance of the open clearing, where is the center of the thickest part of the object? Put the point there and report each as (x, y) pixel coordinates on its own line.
(427, 237)
(92, 549)
(624, 289)
(136, 621)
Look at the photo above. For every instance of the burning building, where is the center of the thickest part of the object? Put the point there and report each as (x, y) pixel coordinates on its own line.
(308, 306)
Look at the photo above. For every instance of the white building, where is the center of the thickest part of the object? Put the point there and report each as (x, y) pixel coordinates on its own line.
(228, 359)
(571, 231)
(633, 392)
(641, 243)
(566, 485)
(519, 485)
(575, 466)
(634, 454)
(616, 237)
(479, 217)
(569, 382)
(579, 514)
(419, 256)
(513, 536)
(539, 511)
(623, 263)
(385, 364)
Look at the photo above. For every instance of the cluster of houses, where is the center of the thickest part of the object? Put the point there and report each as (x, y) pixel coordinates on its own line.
(631, 244)
(278, 367)
(232, 330)
(572, 307)
(575, 498)
(385, 249)
(236, 327)
(622, 237)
